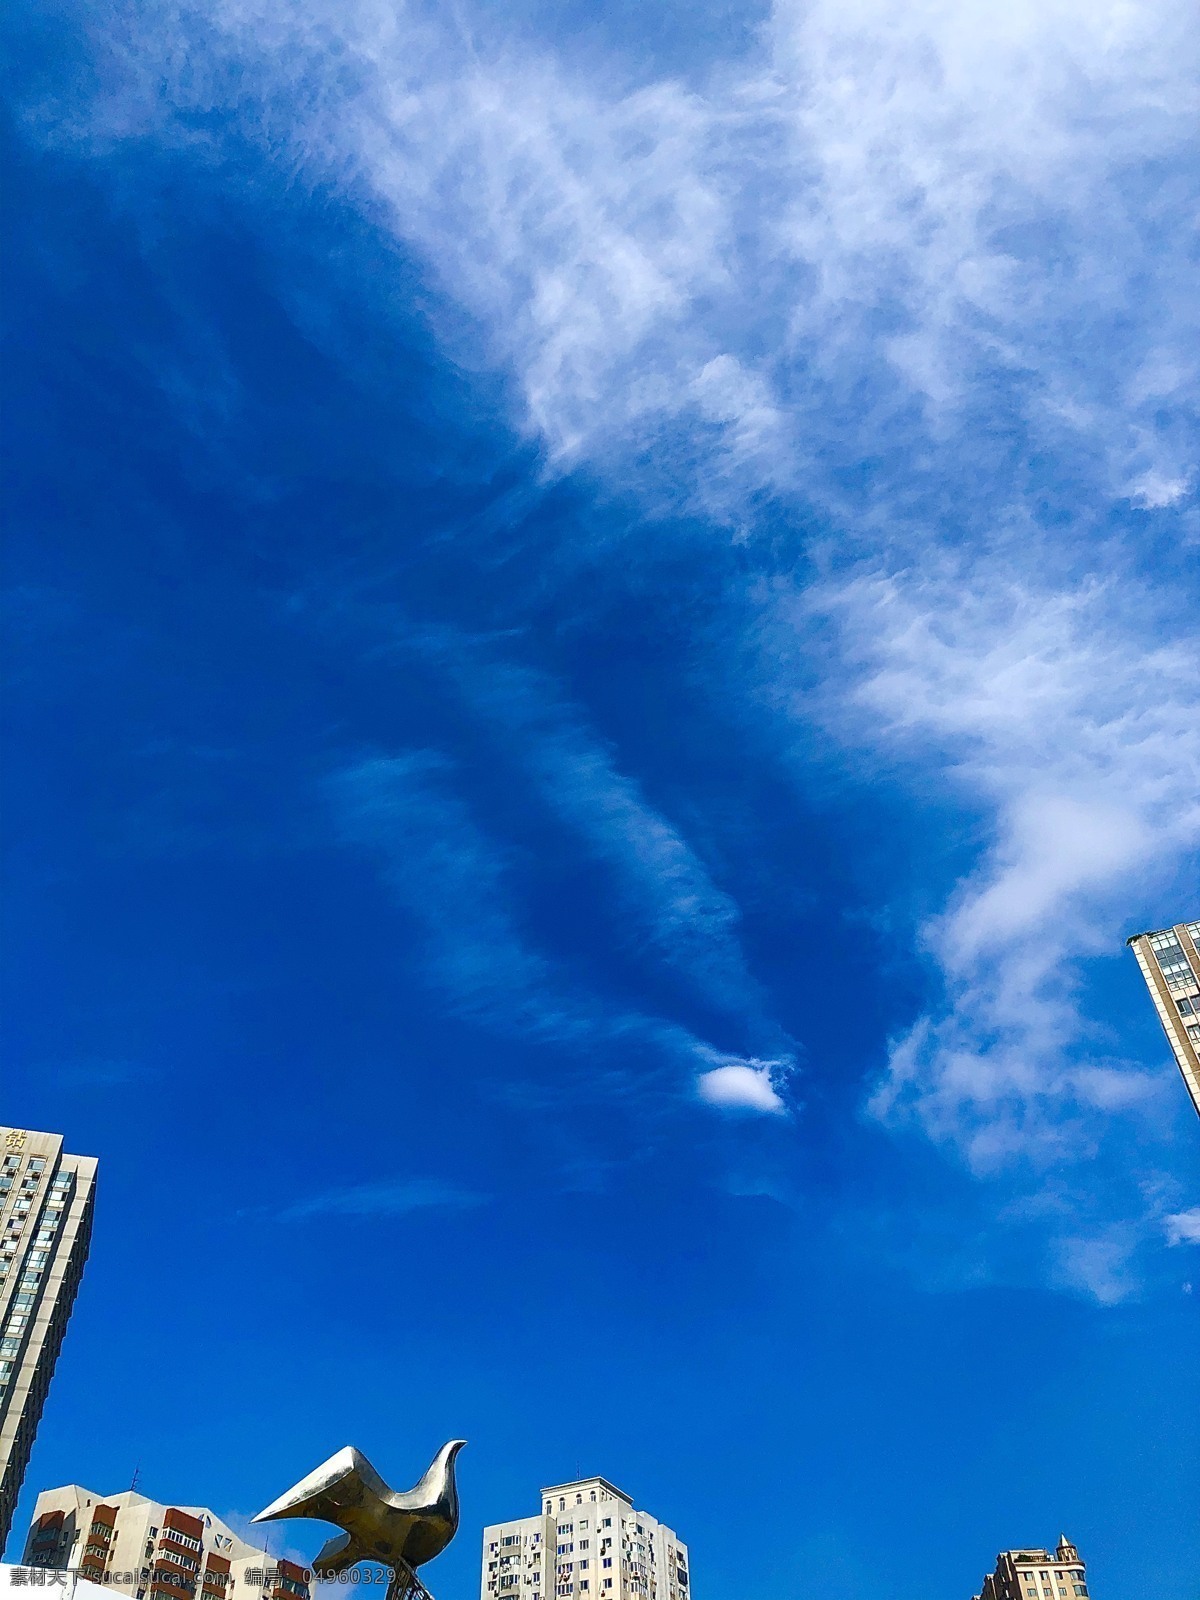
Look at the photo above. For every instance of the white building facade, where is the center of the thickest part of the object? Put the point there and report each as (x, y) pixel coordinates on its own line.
(587, 1543)
(151, 1551)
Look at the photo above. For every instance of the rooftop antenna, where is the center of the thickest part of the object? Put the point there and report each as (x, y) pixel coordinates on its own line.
(136, 1479)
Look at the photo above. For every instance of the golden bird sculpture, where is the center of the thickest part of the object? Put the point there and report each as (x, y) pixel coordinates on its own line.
(401, 1531)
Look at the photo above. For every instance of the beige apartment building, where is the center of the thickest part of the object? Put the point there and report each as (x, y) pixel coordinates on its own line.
(45, 1228)
(586, 1543)
(154, 1552)
(1170, 963)
(1037, 1575)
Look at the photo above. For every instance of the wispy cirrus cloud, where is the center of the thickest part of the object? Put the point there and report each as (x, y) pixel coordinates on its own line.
(389, 1198)
(454, 879)
(902, 299)
(1036, 707)
(666, 903)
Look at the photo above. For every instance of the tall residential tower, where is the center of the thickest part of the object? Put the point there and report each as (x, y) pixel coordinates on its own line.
(587, 1543)
(1170, 963)
(45, 1226)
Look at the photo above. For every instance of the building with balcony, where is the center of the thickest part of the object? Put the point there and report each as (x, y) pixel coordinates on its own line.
(154, 1552)
(586, 1543)
(45, 1229)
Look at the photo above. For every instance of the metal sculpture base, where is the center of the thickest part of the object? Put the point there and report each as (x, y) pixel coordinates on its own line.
(405, 1585)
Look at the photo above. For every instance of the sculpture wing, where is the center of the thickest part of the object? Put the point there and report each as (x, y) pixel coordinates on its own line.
(347, 1482)
(337, 1555)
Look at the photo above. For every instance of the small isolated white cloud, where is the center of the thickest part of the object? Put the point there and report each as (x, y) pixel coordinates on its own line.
(737, 1086)
(1155, 490)
(388, 1199)
(1183, 1227)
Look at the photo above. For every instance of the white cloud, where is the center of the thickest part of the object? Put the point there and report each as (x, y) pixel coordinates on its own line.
(738, 1086)
(1183, 1227)
(1085, 749)
(666, 901)
(453, 878)
(883, 270)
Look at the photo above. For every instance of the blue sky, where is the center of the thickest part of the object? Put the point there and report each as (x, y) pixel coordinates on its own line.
(601, 649)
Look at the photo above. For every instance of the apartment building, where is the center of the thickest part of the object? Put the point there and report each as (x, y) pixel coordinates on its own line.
(46, 1201)
(586, 1543)
(1170, 963)
(154, 1552)
(1037, 1575)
